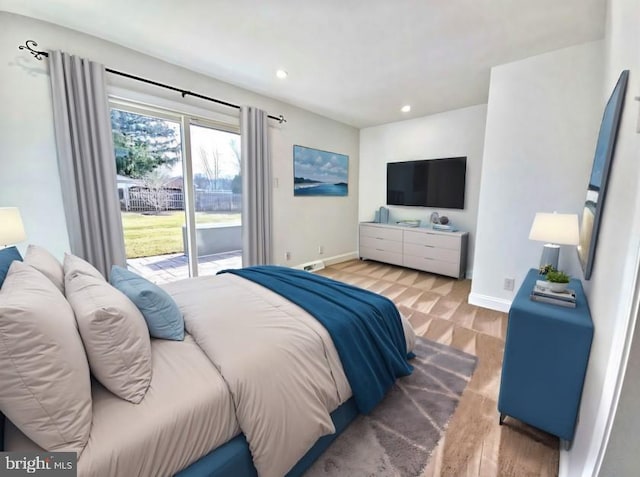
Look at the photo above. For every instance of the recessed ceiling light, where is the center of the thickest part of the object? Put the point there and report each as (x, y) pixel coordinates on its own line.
(406, 108)
(282, 74)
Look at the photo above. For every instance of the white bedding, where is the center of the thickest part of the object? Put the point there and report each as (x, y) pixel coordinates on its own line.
(279, 362)
(186, 413)
(276, 376)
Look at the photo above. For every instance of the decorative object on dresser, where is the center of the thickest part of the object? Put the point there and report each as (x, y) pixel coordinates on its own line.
(555, 229)
(545, 361)
(382, 215)
(546, 295)
(597, 187)
(444, 253)
(408, 223)
(557, 280)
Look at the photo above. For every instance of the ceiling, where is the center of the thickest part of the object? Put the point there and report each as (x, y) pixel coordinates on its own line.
(355, 61)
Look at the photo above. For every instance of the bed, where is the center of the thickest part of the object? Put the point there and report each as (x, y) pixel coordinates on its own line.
(257, 387)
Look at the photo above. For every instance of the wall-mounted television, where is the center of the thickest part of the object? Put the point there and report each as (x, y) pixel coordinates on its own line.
(437, 183)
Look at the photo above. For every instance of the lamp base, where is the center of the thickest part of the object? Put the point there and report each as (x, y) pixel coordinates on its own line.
(550, 254)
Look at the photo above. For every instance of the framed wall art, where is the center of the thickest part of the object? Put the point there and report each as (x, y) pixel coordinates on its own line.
(319, 173)
(597, 187)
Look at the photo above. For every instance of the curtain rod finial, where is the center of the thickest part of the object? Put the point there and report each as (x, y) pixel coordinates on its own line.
(30, 46)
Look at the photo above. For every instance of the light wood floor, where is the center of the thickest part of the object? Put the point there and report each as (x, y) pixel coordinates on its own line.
(474, 444)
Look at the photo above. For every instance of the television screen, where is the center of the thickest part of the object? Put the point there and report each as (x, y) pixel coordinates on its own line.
(438, 183)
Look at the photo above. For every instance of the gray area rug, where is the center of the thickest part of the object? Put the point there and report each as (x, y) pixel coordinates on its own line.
(397, 438)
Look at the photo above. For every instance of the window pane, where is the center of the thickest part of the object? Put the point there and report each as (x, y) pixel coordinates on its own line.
(215, 155)
(150, 187)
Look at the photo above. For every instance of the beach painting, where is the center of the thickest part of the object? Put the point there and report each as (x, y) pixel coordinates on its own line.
(319, 173)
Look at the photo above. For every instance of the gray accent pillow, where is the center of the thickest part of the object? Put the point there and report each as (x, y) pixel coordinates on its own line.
(46, 385)
(113, 331)
(47, 264)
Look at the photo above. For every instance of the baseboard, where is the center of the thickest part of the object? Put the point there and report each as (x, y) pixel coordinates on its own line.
(486, 301)
(345, 257)
(563, 467)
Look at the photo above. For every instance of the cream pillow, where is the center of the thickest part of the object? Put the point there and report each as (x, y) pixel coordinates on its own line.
(113, 331)
(47, 264)
(74, 265)
(46, 385)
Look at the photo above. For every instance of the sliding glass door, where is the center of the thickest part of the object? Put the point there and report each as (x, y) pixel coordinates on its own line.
(179, 189)
(217, 186)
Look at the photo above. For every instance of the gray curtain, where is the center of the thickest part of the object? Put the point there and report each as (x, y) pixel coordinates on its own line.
(256, 187)
(86, 160)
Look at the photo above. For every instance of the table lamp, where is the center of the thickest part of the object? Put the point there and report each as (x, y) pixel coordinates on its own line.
(11, 228)
(555, 229)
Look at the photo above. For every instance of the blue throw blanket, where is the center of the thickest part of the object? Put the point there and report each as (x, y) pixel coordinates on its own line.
(365, 327)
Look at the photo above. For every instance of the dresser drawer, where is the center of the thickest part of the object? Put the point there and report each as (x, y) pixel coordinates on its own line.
(430, 251)
(432, 265)
(394, 258)
(381, 244)
(433, 239)
(381, 233)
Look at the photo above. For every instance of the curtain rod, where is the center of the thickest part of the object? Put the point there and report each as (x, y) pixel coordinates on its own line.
(30, 47)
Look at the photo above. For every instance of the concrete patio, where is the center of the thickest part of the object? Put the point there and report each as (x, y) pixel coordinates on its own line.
(169, 268)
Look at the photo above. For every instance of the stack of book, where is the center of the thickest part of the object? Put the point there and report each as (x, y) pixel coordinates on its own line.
(566, 298)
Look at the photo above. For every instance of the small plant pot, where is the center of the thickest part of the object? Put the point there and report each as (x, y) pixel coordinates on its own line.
(557, 287)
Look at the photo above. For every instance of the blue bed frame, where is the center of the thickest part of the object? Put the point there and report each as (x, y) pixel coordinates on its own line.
(233, 459)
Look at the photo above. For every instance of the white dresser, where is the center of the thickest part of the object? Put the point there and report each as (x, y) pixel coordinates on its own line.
(444, 253)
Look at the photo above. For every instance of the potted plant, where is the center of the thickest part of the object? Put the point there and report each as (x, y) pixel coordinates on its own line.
(558, 280)
(544, 269)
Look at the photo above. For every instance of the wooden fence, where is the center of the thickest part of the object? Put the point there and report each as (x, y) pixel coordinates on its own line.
(146, 200)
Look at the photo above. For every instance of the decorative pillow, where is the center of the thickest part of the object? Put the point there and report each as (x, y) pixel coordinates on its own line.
(114, 334)
(7, 256)
(164, 318)
(74, 265)
(46, 385)
(46, 264)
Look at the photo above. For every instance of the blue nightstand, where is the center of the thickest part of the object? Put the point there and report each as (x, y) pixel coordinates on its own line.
(545, 361)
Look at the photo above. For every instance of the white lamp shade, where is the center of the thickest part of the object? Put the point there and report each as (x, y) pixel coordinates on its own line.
(555, 228)
(11, 228)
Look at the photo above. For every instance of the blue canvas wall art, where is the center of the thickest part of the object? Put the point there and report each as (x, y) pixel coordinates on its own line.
(319, 173)
(597, 187)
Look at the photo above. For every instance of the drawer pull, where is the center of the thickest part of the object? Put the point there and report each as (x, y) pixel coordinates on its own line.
(430, 246)
(379, 250)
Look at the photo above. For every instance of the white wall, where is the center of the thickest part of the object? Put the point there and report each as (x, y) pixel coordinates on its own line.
(454, 133)
(613, 283)
(542, 122)
(28, 164)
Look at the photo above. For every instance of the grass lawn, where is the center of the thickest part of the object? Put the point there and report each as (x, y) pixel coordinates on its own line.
(149, 235)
